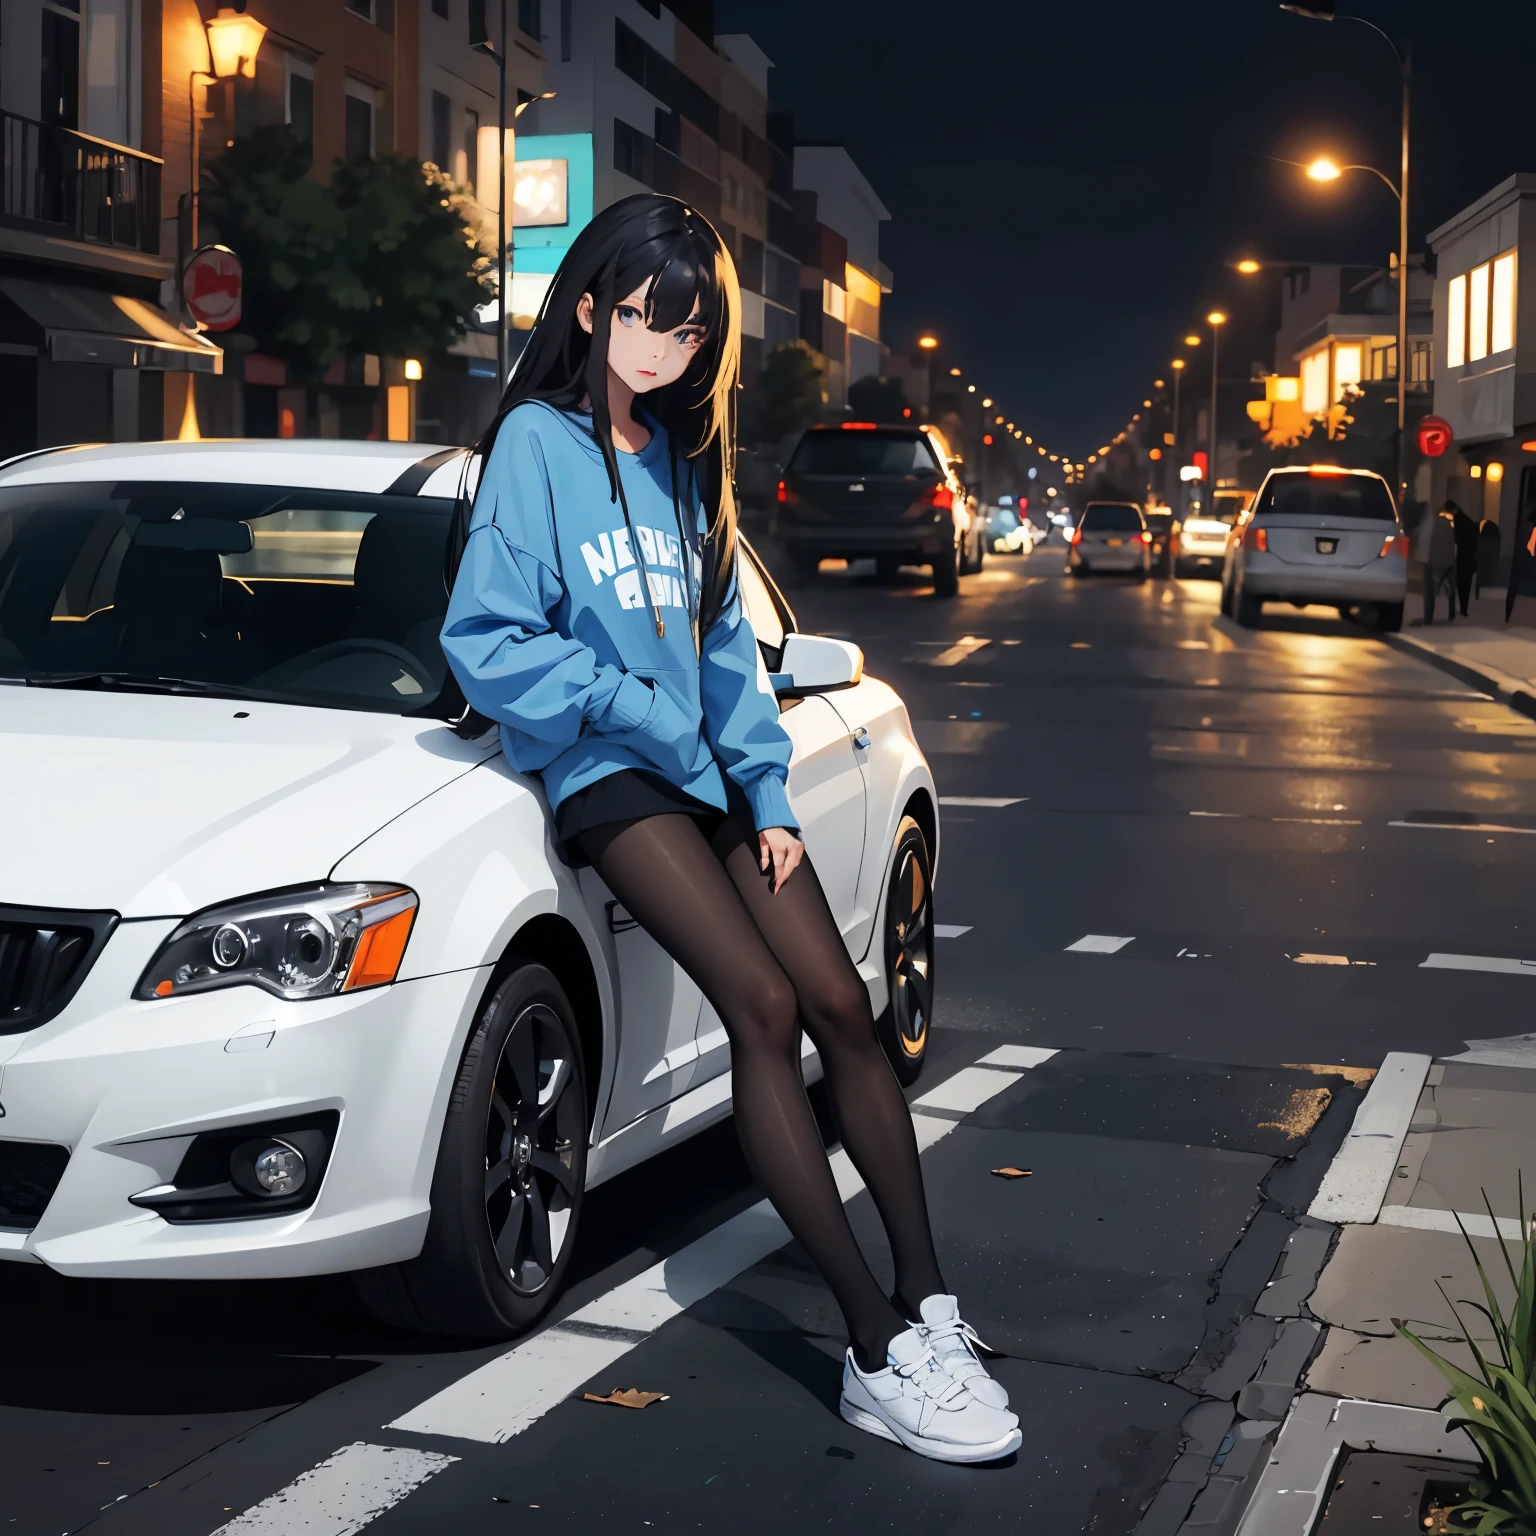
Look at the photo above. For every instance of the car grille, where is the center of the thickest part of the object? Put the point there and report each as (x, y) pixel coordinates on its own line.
(44, 956)
(29, 1173)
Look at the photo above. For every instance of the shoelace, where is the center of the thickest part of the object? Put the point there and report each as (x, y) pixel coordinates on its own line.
(929, 1376)
(956, 1328)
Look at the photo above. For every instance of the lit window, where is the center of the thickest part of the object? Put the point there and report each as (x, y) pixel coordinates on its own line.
(1477, 313)
(834, 299)
(1456, 322)
(1314, 383)
(1503, 317)
(1346, 367)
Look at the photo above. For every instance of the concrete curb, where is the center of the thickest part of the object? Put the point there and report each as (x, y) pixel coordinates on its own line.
(1504, 689)
(1356, 1181)
(1292, 1487)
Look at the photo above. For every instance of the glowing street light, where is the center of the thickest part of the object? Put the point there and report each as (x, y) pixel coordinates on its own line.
(928, 343)
(986, 405)
(1215, 320)
(1248, 266)
(1191, 341)
(954, 373)
(1324, 169)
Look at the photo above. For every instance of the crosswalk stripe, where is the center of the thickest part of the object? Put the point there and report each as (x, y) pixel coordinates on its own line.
(1438, 962)
(1099, 944)
(509, 1394)
(342, 1494)
(990, 802)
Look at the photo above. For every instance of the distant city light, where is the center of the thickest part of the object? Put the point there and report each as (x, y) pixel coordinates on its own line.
(1215, 318)
(1248, 266)
(928, 343)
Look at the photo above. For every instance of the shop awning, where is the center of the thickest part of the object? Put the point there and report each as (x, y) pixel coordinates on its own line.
(87, 325)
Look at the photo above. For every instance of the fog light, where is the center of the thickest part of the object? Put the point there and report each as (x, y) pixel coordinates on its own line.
(280, 1169)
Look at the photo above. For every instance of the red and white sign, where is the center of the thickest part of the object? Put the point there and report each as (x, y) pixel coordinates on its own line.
(211, 285)
(1435, 436)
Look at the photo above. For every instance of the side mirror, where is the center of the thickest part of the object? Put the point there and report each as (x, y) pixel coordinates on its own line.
(816, 664)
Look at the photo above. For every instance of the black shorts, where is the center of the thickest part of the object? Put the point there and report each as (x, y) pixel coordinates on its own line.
(631, 794)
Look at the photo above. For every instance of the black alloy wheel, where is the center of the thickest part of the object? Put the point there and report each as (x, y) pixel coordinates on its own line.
(908, 939)
(511, 1172)
(946, 571)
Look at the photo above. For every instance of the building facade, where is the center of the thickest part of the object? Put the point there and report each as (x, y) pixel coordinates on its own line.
(1485, 358)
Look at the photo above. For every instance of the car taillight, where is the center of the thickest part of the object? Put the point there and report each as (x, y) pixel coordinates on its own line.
(788, 496)
(1256, 539)
(1077, 536)
(1146, 538)
(1394, 544)
(939, 497)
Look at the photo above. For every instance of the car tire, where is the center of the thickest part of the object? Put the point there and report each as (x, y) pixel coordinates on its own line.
(981, 555)
(887, 567)
(1226, 600)
(1389, 617)
(507, 1159)
(1248, 611)
(946, 572)
(908, 936)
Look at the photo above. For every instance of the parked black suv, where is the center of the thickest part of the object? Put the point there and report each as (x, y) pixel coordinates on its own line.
(857, 490)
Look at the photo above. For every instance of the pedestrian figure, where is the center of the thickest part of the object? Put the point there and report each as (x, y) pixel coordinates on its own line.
(1487, 554)
(1522, 554)
(1465, 531)
(1434, 547)
(597, 617)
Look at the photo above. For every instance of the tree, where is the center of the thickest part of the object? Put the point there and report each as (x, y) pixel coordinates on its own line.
(878, 399)
(384, 260)
(789, 391)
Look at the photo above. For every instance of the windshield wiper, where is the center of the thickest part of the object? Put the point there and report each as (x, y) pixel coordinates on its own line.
(140, 682)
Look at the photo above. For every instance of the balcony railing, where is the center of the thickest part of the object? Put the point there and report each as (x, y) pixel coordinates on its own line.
(65, 183)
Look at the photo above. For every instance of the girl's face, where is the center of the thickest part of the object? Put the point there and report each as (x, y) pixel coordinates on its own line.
(642, 358)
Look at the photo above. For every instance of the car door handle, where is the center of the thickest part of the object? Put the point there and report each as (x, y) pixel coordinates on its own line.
(861, 739)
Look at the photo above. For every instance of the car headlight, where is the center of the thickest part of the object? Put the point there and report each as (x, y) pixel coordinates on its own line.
(295, 944)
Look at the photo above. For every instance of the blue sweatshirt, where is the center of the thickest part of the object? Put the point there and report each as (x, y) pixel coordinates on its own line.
(550, 635)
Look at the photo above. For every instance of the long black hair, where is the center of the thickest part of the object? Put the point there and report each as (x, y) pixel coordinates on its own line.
(675, 254)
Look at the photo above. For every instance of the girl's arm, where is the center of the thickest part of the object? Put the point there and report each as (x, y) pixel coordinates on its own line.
(741, 716)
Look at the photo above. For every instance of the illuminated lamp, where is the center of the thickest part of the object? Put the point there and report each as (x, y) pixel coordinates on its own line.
(986, 440)
(1495, 471)
(233, 43)
(1248, 266)
(954, 373)
(1475, 470)
(413, 369)
(927, 343)
(1155, 454)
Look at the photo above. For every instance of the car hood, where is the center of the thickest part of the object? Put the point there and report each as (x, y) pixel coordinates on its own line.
(154, 806)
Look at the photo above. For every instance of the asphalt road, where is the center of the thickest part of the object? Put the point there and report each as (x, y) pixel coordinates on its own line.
(1224, 802)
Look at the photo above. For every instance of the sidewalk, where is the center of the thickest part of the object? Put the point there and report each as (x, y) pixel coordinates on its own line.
(1340, 1385)
(1480, 650)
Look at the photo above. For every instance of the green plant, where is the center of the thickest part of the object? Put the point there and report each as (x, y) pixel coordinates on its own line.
(1498, 1408)
(384, 259)
(878, 399)
(789, 391)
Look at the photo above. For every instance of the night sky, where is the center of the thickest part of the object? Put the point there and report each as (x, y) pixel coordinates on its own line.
(1067, 181)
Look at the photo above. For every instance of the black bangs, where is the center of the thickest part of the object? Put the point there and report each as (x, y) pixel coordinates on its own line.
(680, 274)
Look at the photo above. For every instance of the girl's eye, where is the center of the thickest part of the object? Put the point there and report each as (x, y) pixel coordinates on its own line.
(688, 338)
(627, 314)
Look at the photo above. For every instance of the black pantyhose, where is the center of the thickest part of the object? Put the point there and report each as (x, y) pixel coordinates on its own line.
(770, 963)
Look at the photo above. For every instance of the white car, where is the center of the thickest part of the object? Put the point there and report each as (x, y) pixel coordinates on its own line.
(291, 978)
(1318, 534)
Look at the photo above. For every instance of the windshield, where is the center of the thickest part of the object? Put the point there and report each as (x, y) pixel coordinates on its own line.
(1111, 517)
(1327, 496)
(307, 597)
(863, 453)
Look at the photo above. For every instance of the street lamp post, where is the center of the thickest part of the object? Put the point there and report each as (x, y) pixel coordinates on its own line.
(1173, 458)
(1215, 320)
(1324, 10)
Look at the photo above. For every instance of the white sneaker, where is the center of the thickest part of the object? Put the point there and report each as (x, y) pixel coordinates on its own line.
(917, 1403)
(953, 1342)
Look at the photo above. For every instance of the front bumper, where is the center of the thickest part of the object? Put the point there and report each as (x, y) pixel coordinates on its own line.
(126, 1085)
(1384, 580)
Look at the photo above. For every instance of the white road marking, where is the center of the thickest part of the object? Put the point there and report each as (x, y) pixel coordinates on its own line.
(991, 802)
(509, 1394)
(951, 930)
(1099, 944)
(1462, 826)
(1223, 815)
(1421, 1219)
(1017, 1056)
(1357, 1178)
(1318, 821)
(342, 1494)
(1497, 963)
(957, 653)
(1320, 959)
(1194, 645)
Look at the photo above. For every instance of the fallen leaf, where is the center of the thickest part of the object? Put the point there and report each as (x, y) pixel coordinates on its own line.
(627, 1397)
(1013, 1173)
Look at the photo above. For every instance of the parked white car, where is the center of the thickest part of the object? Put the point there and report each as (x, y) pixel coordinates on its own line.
(291, 978)
(1318, 535)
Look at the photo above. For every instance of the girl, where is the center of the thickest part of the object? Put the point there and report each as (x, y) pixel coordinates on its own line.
(596, 618)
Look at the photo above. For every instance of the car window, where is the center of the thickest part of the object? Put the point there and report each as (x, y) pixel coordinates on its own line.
(309, 597)
(863, 453)
(758, 601)
(1326, 496)
(1111, 517)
